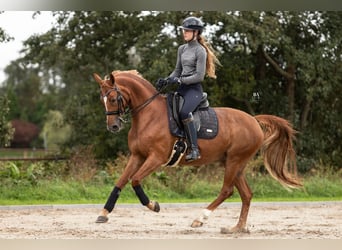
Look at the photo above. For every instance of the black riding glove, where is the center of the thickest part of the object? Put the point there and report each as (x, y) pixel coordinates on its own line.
(161, 82)
(173, 80)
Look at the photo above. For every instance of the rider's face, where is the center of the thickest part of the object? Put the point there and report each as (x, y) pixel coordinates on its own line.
(189, 34)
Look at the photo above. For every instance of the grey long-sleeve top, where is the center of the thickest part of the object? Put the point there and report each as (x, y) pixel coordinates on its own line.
(191, 63)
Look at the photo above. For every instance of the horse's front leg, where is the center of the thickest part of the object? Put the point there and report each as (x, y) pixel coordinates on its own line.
(130, 169)
(148, 167)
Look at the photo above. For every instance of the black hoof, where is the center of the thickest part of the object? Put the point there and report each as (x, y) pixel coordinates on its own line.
(102, 219)
(156, 207)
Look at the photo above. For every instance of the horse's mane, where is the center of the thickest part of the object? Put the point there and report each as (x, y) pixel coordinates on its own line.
(132, 73)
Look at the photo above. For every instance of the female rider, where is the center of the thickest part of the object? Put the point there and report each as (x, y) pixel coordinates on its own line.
(195, 58)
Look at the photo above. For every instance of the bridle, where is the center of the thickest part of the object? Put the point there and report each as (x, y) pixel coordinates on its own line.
(125, 110)
(120, 101)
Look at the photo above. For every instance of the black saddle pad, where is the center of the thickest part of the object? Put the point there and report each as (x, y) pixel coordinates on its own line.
(207, 118)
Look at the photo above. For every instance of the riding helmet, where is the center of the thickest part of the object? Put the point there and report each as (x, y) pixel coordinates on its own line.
(192, 23)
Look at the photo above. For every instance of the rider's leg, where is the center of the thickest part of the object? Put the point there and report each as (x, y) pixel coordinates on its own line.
(192, 95)
(191, 134)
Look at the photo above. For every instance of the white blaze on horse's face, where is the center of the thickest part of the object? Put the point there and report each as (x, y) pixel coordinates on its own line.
(105, 102)
(105, 99)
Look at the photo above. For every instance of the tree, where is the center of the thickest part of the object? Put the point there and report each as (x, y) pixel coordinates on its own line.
(55, 132)
(25, 89)
(4, 37)
(6, 130)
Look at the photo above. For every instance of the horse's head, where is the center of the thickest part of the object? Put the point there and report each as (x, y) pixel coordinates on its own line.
(113, 102)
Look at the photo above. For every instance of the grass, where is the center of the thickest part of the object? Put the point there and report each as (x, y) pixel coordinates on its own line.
(76, 192)
(78, 182)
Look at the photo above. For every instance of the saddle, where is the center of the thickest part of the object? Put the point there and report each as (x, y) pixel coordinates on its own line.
(205, 120)
(205, 117)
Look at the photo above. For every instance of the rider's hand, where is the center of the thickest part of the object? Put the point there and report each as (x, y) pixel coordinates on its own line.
(173, 80)
(161, 82)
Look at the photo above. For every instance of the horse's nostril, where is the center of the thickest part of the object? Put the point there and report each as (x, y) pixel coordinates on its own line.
(113, 128)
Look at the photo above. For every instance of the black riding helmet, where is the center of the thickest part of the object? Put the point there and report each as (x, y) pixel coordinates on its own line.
(192, 23)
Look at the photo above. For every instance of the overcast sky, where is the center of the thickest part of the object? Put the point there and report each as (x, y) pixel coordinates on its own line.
(20, 25)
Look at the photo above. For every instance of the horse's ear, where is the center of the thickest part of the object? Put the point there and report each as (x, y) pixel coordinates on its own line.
(112, 79)
(97, 79)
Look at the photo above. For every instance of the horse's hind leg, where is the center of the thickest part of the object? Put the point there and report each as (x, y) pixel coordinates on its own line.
(231, 170)
(246, 197)
(225, 193)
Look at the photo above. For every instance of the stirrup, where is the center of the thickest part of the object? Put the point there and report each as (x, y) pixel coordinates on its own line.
(193, 155)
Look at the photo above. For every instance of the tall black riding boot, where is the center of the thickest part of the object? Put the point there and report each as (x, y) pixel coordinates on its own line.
(191, 134)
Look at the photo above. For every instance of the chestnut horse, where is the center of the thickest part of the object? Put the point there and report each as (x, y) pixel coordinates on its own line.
(240, 136)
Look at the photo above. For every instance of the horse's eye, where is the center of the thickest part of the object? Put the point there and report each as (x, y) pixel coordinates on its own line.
(112, 100)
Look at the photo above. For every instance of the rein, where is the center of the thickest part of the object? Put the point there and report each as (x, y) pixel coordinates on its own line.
(143, 105)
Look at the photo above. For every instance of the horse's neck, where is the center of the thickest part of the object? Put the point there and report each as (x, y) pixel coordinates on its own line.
(147, 118)
(138, 94)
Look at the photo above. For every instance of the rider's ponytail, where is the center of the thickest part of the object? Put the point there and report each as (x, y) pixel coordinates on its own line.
(212, 59)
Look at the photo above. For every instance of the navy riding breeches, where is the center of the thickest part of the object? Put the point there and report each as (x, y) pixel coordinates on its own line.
(192, 94)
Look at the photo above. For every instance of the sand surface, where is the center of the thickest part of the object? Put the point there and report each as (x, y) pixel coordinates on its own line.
(267, 220)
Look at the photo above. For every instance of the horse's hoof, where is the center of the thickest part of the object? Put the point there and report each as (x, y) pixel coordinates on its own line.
(196, 223)
(154, 206)
(101, 219)
(225, 230)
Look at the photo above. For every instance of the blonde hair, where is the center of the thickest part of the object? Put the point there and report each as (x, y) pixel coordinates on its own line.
(212, 59)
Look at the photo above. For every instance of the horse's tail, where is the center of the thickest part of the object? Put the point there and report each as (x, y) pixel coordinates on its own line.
(277, 150)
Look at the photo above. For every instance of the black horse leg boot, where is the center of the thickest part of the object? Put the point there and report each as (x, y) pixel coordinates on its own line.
(191, 134)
